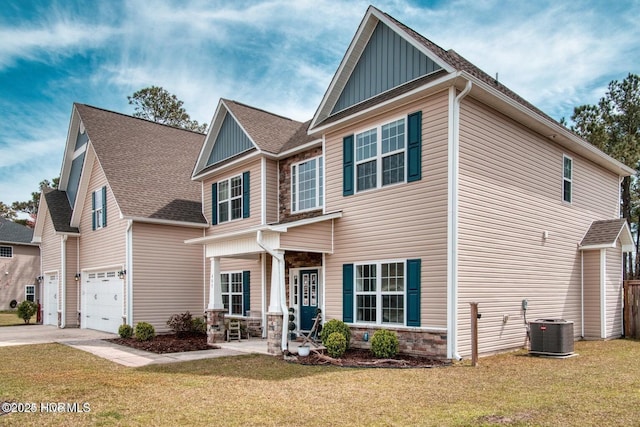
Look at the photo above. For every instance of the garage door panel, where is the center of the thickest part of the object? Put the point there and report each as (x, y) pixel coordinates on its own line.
(102, 301)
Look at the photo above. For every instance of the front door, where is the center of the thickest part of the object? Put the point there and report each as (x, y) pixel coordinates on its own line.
(309, 298)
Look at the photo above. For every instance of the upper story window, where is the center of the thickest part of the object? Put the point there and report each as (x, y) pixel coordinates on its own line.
(380, 155)
(99, 208)
(230, 199)
(307, 185)
(567, 179)
(6, 252)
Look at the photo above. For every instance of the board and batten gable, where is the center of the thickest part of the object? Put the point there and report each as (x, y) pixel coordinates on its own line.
(104, 247)
(253, 168)
(167, 274)
(517, 237)
(403, 221)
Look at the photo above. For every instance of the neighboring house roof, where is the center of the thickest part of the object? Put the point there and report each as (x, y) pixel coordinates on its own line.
(260, 130)
(60, 210)
(605, 234)
(11, 232)
(147, 165)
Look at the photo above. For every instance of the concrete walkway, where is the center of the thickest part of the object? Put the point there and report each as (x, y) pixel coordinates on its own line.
(93, 342)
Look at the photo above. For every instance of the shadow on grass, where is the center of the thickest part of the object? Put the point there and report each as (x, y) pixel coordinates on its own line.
(252, 366)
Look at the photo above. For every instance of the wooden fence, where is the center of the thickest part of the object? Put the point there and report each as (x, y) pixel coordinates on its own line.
(631, 304)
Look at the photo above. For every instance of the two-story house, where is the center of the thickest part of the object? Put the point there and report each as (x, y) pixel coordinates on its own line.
(112, 233)
(19, 265)
(420, 185)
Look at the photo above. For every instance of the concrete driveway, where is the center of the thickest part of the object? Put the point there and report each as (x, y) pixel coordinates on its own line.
(41, 334)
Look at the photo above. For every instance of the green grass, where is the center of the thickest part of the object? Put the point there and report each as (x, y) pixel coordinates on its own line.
(10, 318)
(599, 387)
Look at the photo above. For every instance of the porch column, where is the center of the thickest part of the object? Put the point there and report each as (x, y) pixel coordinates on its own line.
(215, 288)
(276, 337)
(215, 308)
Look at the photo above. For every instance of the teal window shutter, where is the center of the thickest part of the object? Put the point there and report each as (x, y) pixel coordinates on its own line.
(347, 293)
(246, 292)
(246, 193)
(214, 203)
(104, 206)
(413, 292)
(93, 210)
(414, 147)
(347, 166)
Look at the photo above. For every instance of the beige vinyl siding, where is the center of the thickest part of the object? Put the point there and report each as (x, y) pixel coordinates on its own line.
(104, 247)
(72, 298)
(591, 294)
(254, 168)
(312, 237)
(272, 191)
(254, 266)
(17, 272)
(166, 273)
(614, 289)
(403, 221)
(510, 193)
(50, 247)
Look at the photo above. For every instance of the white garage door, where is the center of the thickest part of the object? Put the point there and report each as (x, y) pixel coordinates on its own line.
(102, 301)
(50, 308)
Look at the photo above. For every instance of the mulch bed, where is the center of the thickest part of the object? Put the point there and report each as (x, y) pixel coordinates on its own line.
(361, 358)
(169, 343)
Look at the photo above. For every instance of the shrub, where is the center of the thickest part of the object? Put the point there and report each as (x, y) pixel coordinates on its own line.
(199, 325)
(336, 344)
(181, 323)
(335, 325)
(125, 331)
(26, 310)
(384, 343)
(145, 331)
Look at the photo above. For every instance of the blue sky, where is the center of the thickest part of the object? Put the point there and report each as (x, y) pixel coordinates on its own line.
(278, 55)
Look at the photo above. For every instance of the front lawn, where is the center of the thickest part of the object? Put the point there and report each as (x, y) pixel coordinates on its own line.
(10, 318)
(599, 387)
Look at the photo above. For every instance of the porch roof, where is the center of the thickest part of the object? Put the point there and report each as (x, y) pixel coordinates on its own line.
(605, 234)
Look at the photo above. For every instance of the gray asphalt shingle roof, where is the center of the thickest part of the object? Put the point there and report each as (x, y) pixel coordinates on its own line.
(11, 232)
(60, 210)
(603, 232)
(148, 165)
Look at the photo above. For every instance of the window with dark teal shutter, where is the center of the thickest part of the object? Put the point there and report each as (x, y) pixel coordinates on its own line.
(413, 292)
(99, 208)
(246, 192)
(246, 291)
(414, 147)
(214, 203)
(347, 293)
(104, 206)
(347, 166)
(93, 210)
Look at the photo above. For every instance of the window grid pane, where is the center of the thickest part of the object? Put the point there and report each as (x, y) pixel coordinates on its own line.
(307, 185)
(366, 145)
(393, 309)
(367, 175)
(320, 181)
(393, 169)
(366, 308)
(366, 278)
(6, 252)
(393, 136)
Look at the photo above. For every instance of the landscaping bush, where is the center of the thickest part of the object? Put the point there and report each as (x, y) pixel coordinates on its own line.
(335, 325)
(145, 331)
(336, 344)
(384, 343)
(181, 323)
(199, 325)
(26, 310)
(125, 331)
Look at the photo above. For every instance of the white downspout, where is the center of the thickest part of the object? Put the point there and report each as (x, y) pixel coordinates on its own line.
(283, 302)
(582, 294)
(63, 300)
(129, 269)
(452, 224)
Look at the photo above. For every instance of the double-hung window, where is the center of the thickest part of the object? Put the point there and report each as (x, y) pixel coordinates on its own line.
(307, 182)
(230, 199)
(30, 293)
(380, 292)
(6, 252)
(232, 296)
(567, 179)
(380, 156)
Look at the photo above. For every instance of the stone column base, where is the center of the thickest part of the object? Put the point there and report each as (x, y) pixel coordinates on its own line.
(274, 333)
(215, 326)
